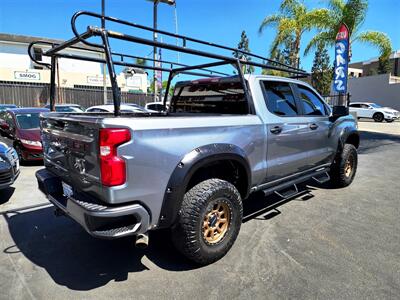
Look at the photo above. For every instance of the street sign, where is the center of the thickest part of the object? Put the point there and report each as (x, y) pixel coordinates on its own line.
(341, 60)
(27, 75)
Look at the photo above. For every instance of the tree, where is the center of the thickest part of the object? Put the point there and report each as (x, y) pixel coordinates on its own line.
(164, 88)
(384, 66)
(292, 21)
(283, 56)
(353, 14)
(244, 46)
(321, 72)
(141, 62)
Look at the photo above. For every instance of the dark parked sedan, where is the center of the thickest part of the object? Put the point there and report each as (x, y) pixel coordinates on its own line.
(20, 129)
(9, 166)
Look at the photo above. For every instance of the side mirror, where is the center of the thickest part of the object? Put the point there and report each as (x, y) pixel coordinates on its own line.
(339, 111)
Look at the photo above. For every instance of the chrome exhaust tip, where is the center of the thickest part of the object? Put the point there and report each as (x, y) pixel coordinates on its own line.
(142, 241)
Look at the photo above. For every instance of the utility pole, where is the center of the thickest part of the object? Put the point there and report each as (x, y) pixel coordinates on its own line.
(155, 5)
(155, 36)
(103, 26)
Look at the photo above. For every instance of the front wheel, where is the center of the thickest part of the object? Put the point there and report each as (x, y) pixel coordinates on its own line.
(344, 167)
(378, 117)
(209, 221)
(389, 120)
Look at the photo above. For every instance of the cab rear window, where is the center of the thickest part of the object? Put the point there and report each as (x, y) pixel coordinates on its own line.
(210, 97)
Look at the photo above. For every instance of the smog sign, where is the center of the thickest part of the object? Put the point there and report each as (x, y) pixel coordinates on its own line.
(27, 75)
(341, 60)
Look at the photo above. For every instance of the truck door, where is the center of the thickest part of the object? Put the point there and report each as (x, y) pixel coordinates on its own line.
(321, 146)
(286, 145)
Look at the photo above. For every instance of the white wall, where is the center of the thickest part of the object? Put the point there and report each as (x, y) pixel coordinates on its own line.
(15, 56)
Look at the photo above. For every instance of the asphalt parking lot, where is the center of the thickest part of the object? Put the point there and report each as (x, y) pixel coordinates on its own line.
(328, 243)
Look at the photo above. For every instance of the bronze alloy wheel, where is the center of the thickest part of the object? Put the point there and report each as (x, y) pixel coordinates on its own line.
(348, 168)
(216, 222)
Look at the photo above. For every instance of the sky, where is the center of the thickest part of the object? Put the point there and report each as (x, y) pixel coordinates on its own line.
(219, 21)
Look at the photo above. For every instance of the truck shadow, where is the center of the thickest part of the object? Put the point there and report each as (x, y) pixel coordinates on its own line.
(371, 141)
(78, 261)
(5, 195)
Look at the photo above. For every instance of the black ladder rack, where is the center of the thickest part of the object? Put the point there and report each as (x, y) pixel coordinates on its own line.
(80, 41)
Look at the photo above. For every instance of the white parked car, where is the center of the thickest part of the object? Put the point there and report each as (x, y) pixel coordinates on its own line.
(110, 108)
(374, 111)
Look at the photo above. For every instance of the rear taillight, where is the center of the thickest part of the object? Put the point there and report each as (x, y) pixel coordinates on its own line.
(113, 170)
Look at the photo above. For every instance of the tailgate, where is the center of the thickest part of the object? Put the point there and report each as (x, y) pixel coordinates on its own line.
(70, 147)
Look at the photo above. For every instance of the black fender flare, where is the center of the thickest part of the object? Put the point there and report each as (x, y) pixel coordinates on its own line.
(345, 134)
(185, 169)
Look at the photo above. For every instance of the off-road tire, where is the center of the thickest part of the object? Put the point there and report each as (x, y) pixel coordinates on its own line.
(188, 234)
(378, 117)
(340, 175)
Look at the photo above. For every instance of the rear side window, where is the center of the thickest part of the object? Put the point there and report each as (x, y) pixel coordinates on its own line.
(312, 104)
(210, 97)
(280, 99)
(355, 105)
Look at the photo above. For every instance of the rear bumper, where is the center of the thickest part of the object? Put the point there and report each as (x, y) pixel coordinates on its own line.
(96, 218)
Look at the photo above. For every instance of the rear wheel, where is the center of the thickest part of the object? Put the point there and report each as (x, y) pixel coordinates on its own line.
(344, 167)
(209, 221)
(378, 117)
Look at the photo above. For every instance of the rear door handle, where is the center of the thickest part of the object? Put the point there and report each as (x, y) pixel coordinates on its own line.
(313, 126)
(276, 129)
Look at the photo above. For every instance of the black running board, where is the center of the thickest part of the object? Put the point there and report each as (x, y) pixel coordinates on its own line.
(282, 189)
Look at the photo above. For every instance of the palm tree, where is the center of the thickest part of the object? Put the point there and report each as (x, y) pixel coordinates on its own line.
(292, 21)
(352, 13)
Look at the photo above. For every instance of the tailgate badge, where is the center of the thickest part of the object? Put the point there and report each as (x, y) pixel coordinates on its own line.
(80, 165)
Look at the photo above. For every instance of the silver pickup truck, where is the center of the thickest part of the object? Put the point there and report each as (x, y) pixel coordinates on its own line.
(190, 168)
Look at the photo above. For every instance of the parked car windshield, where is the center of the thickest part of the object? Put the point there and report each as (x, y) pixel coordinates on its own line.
(28, 121)
(374, 105)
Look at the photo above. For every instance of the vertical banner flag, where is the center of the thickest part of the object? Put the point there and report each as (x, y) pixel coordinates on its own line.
(341, 60)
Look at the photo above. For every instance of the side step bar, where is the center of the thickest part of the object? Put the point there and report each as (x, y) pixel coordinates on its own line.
(289, 189)
(322, 178)
(286, 194)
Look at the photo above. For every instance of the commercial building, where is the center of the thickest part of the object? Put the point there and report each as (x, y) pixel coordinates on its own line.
(17, 70)
(370, 67)
(365, 84)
